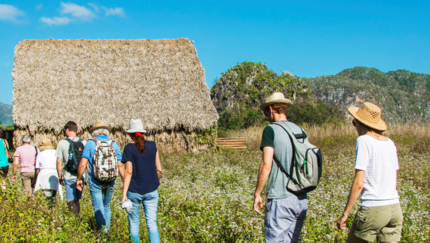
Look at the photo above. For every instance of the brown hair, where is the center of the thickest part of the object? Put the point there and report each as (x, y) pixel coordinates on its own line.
(368, 128)
(72, 126)
(1, 132)
(280, 108)
(139, 142)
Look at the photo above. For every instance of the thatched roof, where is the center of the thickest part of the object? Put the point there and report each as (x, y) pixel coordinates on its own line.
(161, 82)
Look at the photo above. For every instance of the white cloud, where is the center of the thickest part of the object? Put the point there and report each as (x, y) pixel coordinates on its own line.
(77, 11)
(10, 13)
(39, 7)
(114, 12)
(94, 6)
(55, 20)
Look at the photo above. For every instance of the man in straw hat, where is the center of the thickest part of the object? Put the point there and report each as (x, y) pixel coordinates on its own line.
(285, 212)
(64, 153)
(46, 171)
(27, 155)
(101, 192)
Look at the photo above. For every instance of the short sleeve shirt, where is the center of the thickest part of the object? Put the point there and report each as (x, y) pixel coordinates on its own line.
(27, 156)
(63, 153)
(379, 160)
(90, 149)
(46, 159)
(276, 137)
(144, 178)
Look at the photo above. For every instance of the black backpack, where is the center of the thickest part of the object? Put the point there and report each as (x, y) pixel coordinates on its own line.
(75, 155)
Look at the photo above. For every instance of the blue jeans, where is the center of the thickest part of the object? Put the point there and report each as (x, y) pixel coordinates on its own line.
(72, 194)
(150, 205)
(101, 194)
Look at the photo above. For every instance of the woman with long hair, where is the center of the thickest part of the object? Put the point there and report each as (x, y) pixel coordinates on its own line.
(376, 164)
(141, 180)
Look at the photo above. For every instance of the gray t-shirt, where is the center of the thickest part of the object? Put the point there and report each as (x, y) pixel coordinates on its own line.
(276, 137)
(63, 153)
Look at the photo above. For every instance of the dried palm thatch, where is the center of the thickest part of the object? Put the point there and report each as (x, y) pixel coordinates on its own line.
(159, 81)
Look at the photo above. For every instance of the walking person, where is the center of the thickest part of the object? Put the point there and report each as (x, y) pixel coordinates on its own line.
(376, 164)
(104, 159)
(26, 154)
(46, 172)
(142, 174)
(4, 160)
(285, 212)
(69, 155)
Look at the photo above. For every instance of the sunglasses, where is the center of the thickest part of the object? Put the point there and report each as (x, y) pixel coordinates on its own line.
(266, 113)
(354, 122)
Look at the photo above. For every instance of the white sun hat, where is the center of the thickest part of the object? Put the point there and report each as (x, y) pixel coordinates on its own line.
(135, 126)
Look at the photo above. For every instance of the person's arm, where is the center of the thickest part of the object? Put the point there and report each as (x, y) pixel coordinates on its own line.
(158, 165)
(121, 169)
(356, 187)
(81, 171)
(263, 175)
(60, 170)
(127, 179)
(37, 172)
(15, 166)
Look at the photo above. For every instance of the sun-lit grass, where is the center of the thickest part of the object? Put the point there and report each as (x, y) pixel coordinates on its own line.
(208, 197)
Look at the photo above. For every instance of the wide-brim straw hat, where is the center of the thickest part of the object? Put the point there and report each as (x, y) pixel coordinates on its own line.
(46, 144)
(99, 124)
(370, 115)
(135, 126)
(275, 98)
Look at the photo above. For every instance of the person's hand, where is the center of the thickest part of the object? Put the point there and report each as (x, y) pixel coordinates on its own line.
(258, 202)
(79, 185)
(341, 222)
(124, 197)
(14, 178)
(61, 179)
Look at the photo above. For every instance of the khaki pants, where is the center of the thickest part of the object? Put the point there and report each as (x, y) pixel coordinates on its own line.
(28, 181)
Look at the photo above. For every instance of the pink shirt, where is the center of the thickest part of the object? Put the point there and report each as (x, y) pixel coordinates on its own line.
(27, 156)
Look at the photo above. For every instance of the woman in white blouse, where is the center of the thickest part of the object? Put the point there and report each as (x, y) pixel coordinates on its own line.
(376, 164)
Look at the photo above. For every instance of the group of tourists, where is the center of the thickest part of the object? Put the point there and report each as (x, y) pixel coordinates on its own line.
(95, 163)
(98, 161)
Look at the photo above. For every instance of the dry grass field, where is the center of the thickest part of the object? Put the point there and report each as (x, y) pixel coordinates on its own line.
(207, 197)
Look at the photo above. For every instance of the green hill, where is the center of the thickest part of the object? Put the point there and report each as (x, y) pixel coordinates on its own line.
(241, 89)
(403, 95)
(6, 114)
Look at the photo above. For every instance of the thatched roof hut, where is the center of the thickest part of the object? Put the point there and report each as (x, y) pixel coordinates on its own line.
(161, 82)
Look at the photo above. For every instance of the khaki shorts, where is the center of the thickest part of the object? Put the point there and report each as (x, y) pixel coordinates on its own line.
(382, 222)
(28, 181)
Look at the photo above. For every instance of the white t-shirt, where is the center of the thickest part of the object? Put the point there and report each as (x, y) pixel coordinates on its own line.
(46, 159)
(379, 160)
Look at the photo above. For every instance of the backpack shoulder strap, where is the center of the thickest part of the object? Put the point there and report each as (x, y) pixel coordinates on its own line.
(291, 136)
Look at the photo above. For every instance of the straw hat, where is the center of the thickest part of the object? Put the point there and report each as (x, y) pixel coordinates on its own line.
(46, 144)
(370, 115)
(275, 98)
(135, 126)
(99, 124)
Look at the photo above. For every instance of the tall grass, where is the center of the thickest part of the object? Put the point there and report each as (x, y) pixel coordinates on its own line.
(208, 197)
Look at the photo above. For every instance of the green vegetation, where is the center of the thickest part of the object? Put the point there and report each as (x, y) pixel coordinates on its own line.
(404, 96)
(239, 92)
(207, 197)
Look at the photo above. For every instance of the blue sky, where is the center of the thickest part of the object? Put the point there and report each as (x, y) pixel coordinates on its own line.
(307, 38)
